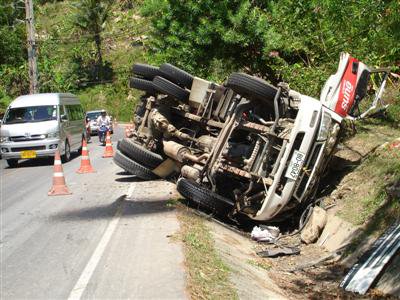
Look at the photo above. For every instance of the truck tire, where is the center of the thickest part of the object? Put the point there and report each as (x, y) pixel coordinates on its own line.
(133, 167)
(145, 71)
(143, 85)
(204, 197)
(169, 88)
(139, 153)
(176, 75)
(252, 88)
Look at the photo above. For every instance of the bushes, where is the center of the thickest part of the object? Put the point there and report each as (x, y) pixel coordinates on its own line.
(393, 98)
(117, 97)
(287, 40)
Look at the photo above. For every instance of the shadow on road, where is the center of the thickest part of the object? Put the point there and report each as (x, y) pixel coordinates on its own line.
(129, 179)
(129, 208)
(124, 173)
(40, 162)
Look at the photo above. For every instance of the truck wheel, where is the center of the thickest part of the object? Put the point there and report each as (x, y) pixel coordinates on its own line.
(176, 75)
(169, 88)
(12, 162)
(133, 167)
(146, 71)
(139, 153)
(252, 88)
(204, 197)
(143, 85)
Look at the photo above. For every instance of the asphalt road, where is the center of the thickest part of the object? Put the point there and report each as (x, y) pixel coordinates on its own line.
(110, 239)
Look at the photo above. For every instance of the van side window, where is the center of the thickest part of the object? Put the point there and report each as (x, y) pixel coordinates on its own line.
(75, 112)
(81, 113)
(62, 110)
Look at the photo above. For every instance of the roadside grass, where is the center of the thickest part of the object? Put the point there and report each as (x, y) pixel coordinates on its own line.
(259, 263)
(367, 202)
(208, 275)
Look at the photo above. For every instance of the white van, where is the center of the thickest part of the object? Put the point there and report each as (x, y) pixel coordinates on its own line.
(36, 125)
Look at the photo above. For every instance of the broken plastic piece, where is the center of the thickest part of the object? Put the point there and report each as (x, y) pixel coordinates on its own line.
(275, 252)
(266, 234)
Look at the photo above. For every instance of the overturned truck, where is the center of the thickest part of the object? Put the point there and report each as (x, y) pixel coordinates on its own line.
(245, 147)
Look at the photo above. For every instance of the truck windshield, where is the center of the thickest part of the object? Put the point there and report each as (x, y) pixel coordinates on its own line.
(31, 114)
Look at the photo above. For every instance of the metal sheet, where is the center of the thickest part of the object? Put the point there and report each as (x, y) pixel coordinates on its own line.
(363, 274)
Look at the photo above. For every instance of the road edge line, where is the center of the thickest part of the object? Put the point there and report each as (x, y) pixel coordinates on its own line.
(87, 273)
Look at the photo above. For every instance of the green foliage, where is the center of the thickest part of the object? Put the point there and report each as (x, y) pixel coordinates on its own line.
(117, 98)
(12, 51)
(12, 32)
(298, 42)
(90, 17)
(191, 34)
(393, 111)
(14, 81)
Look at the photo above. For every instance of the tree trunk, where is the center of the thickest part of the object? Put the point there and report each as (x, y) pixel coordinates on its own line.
(99, 57)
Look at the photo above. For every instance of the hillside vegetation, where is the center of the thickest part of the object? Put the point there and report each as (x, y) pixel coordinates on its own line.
(298, 42)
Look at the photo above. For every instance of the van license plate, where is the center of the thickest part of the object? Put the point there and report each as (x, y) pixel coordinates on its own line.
(295, 165)
(28, 154)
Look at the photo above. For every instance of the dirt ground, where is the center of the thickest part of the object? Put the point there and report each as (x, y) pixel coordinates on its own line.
(300, 280)
(286, 277)
(314, 273)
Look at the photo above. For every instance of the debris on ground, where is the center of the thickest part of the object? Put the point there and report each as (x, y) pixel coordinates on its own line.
(363, 274)
(279, 251)
(266, 234)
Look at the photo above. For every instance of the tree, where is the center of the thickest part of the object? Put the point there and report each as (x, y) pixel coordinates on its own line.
(12, 32)
(290, 40)
(91, 17)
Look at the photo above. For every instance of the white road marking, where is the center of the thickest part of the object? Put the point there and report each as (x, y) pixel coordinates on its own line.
(131, 190)
(87, 273)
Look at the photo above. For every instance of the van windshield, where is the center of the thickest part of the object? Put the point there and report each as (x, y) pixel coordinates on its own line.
(31, 114)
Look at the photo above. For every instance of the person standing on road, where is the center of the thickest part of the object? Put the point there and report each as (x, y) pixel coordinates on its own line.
(103, 120)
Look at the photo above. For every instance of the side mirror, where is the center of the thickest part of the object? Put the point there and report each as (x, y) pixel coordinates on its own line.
(64, 118)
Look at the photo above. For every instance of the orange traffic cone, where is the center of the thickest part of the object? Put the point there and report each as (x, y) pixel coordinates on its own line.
(109, 152)
(86, 167)
(59, 187)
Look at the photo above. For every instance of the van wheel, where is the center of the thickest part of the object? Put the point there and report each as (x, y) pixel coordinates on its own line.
(12, 163)
(67, 152)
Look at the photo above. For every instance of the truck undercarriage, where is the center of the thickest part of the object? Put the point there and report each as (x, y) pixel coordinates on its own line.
(241, 148)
